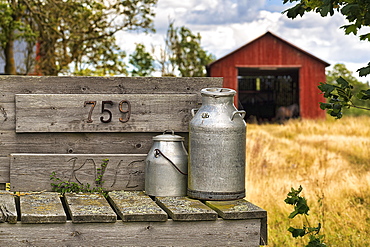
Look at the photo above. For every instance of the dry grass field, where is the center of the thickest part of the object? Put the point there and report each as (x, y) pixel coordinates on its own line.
(330, 159)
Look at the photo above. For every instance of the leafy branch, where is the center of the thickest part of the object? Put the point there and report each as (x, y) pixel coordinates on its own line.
(301, 208)
(356, 12)
(341, 96)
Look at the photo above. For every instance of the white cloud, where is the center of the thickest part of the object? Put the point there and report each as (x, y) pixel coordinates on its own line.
(226, 25)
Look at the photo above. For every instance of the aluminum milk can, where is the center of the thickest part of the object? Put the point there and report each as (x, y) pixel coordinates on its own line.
(166, 166)
(217, 142)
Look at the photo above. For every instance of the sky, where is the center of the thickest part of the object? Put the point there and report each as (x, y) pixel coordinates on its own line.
(226, 25)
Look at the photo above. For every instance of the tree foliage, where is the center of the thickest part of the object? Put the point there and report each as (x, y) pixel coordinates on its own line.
(185, 52)
(142, 61)
(341, 82)
(341, 94)
(14, 25)
(81, 32)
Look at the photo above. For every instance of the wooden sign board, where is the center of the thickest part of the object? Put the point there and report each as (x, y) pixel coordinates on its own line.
(123, 171)
(47, 116)
(103, 112)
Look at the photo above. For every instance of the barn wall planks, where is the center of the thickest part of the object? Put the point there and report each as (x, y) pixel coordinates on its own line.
(271, 51)
(121, 142)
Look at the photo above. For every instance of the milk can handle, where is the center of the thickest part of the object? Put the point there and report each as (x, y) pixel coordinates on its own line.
(242, 113)
(194, 111)
(173, 132)
(157, 152)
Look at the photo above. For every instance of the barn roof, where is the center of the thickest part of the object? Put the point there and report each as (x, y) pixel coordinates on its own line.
(276, 37)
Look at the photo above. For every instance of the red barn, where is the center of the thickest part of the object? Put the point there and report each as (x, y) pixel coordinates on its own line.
(270, 72)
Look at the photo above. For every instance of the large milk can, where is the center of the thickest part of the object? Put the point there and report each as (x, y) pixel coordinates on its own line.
(217, 142)
(166, 166)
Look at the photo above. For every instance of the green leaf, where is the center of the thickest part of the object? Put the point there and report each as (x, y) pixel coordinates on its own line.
(350, 29)
(342, 82)
(300, 207)
(300, 203)
(315, 241)
(324, 106)
(326, 7)
(365, 37)
(293, 12)
(364, 70)
(297, 232)
(350, 9)
(326, 88)
(364, 94)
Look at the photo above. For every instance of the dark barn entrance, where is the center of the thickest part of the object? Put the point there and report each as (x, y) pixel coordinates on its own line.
(263, 90)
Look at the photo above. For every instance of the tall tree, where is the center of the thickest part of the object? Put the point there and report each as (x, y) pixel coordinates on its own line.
(357, 12)
(13, 26)
(142, 61)
(185, 52)
(73, 31)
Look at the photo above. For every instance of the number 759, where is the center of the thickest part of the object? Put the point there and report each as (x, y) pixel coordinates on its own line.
(121, 105)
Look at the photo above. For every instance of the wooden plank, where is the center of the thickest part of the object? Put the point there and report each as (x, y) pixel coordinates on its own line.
(10, 85)
(8, 211)
(136, 206)
(89, 113)
(170, 233)
(7, 116)
(241, 209)
(89, 208)
(185, 209)
(4, 170)
(237, 209)
(41, 207)
(31, 172)
(79, 143)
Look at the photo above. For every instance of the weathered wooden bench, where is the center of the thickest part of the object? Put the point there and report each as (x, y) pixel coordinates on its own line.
(69, 126)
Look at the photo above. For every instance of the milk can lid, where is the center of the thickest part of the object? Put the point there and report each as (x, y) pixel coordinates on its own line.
(218, 92)
(168, 137)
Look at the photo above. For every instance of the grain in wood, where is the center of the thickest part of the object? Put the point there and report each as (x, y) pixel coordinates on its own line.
(241, 209)
(89, 113)
(4, 170)
(7, 116)
(185, 209)
(10, 85)
(31, 172)
(136, 206)
(169, 233)
(41, 207)
(8, 212)
(236, 209)
(79, 143)
(89, 207)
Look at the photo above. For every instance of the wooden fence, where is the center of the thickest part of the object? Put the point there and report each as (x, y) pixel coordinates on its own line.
(69, 126)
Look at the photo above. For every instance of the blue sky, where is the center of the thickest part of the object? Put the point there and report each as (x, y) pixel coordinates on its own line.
(225, 25)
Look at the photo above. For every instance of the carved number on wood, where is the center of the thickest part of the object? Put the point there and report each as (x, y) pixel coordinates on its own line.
(126, 113)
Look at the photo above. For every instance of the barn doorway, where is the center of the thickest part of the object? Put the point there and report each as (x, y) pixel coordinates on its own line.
(263, 90)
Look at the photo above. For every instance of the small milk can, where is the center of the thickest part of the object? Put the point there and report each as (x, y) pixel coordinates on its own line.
(217, 142)
(166, 166)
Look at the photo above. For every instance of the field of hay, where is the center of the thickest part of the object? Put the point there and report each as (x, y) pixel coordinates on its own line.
(330, 159)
